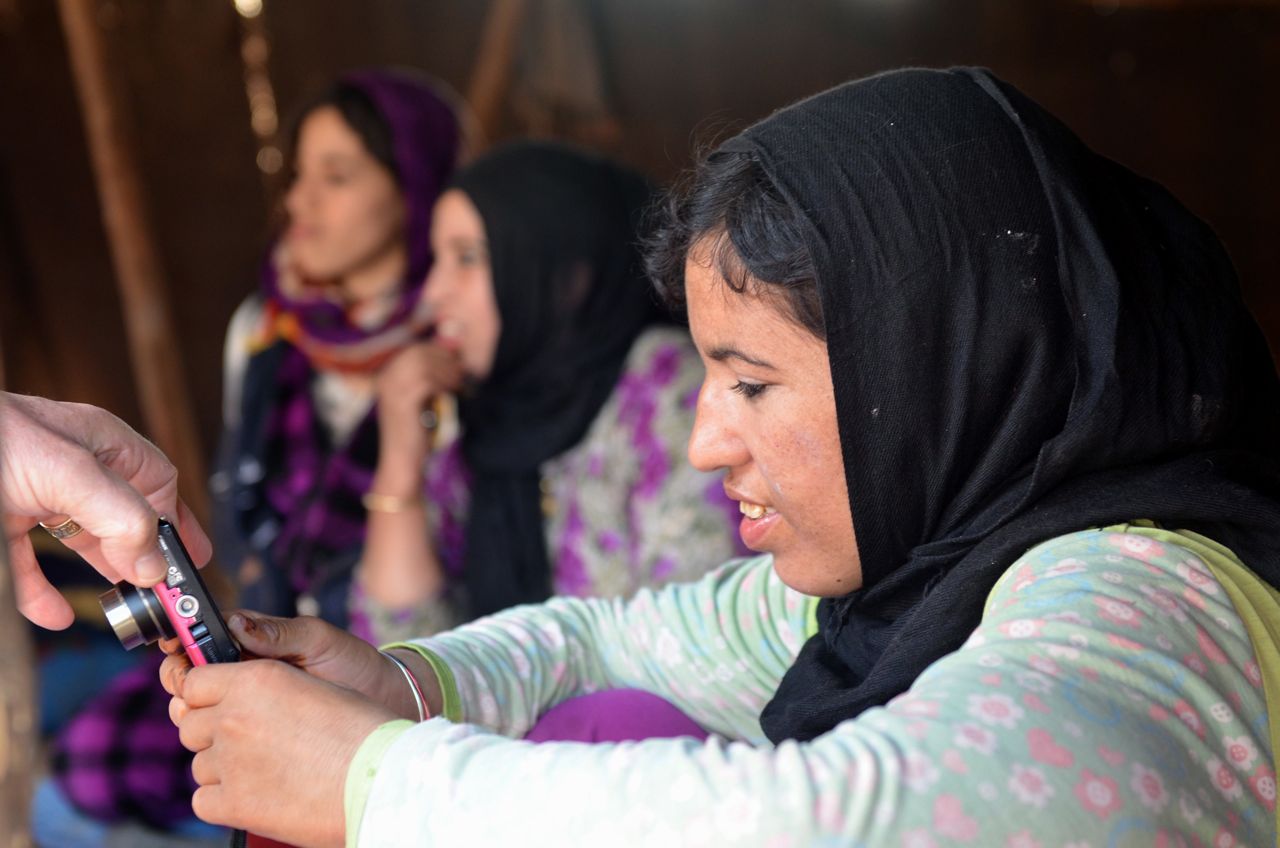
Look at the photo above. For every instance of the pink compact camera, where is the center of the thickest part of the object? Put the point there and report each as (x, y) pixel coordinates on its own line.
(178, 606)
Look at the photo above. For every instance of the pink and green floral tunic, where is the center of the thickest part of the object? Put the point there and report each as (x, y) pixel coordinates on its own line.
(1112, 696)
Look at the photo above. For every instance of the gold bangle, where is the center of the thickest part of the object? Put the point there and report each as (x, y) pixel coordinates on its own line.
(375, 502)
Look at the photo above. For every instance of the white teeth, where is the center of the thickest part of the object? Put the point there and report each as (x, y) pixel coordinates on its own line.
(753, 510)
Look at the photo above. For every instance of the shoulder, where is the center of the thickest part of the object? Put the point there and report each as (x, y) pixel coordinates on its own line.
(245, 333)
(662, 358)
(245, 322)
(1125, 562)
(658, 387)
(242, 329)
(1110, 672)
(1127, 597)
(652, 405)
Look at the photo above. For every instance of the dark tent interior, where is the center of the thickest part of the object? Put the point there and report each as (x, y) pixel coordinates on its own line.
(141, 167)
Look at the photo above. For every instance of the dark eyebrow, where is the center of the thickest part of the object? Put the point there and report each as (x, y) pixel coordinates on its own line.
(721, 353)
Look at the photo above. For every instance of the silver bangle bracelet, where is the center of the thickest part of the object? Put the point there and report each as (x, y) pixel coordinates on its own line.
(413, 684)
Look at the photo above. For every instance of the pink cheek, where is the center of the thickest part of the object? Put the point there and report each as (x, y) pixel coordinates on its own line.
(813, 448)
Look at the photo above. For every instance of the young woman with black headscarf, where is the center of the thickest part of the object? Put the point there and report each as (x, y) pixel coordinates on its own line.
(1003, 428)
(567, 475)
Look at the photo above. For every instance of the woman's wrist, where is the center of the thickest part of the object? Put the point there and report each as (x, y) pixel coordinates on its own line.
(398, 691)
(404, 481)
(415, 689)
(411, 449)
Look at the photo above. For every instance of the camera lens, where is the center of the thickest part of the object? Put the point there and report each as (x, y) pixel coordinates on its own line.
(136, 615)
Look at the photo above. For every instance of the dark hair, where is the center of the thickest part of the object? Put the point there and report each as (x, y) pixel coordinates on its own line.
(729, 207)
(360, 113)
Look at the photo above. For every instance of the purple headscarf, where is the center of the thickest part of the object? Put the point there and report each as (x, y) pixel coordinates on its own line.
(425, 140)
(302, 511)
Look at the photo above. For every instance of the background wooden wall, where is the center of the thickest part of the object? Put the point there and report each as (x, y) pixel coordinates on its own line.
(1185, 92)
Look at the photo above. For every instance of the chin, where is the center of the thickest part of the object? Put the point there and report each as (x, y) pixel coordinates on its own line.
(809, 576)
(314, 267)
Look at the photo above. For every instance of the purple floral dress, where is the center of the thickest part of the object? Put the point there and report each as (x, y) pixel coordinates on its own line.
(624, 509)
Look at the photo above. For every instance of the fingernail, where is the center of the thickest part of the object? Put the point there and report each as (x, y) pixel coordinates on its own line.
(241, 623)
(150, 567)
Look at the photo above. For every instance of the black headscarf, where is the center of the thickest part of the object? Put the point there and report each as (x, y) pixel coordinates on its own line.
(562, 230)
(1026, 339)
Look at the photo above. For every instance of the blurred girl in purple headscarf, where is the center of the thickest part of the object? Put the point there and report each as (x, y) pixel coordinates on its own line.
(340, 296)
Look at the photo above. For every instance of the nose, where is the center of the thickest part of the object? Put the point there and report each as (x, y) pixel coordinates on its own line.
(295, 197)
(714, 442)
(433, 290)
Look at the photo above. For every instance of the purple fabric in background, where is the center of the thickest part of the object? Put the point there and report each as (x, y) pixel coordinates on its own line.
(120, 758)
(641, 393)
(617, 715)
(314, 489)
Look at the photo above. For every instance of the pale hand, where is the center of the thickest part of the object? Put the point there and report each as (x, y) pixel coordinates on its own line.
(60, 460)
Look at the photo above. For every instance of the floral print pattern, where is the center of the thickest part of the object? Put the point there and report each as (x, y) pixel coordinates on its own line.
(1081, 712)
(626, 510)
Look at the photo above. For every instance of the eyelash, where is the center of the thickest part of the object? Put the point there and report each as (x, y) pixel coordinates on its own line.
(749, 390)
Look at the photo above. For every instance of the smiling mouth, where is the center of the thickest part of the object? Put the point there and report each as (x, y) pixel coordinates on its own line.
(754, 510)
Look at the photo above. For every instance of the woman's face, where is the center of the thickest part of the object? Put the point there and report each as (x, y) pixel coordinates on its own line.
(767, 416)
(346, 214)
(460, 285)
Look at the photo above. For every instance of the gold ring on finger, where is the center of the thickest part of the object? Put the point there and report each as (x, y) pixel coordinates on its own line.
(64, 530)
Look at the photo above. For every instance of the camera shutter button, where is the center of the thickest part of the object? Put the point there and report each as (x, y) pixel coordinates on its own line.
(187, 606)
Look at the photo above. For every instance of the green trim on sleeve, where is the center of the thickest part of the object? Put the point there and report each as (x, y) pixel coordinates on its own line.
(811, 617)
(1258, 605)
(363, 769)
(448, 686)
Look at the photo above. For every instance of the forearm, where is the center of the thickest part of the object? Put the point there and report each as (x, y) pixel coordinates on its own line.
(400, 567)
(439, 783)
(531, 658)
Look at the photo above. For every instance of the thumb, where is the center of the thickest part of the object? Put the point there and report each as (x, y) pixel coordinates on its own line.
(272, 637)
(119, 523)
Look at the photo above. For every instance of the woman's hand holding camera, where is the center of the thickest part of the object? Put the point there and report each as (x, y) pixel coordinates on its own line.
(321, 650)
(276, 734)
(272, 747)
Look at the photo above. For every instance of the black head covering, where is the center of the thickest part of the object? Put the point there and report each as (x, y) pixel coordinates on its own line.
(562, 230)
(1026, 339)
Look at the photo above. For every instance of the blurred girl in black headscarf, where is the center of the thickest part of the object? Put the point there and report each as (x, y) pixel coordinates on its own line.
(567, 475)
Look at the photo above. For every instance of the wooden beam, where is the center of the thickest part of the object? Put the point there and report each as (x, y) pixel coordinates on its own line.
(17, 716)
(153, 345)
(17, 709)
(495, 58)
